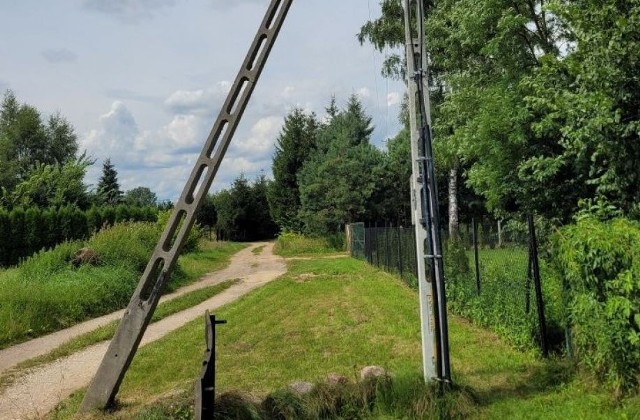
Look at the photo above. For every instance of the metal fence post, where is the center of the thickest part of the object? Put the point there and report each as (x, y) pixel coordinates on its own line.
(206, 385)
(474, 233)
(400, 258)
(538, 286)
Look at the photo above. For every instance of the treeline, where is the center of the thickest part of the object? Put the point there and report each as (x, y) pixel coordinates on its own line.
(327, 173)
(27, 231)
(535, 103)
(240, 212)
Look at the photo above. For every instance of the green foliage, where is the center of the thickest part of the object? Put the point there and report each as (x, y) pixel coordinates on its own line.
(140, 197)
(52, 185)
(338, 181)
(536, 101)
(295, 144)
(26, 140)
(207, 214)
(600, 265)
(191, 243)
(26, 232)
(108, 189)
(243, 210)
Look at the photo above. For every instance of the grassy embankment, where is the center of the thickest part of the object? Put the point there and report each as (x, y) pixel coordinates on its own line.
(295, 245)
(338, 316)
(47, 293)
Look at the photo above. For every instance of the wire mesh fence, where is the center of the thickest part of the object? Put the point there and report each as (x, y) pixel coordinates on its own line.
(489, 270)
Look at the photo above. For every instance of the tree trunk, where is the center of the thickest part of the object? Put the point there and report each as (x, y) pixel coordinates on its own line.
(453, 202)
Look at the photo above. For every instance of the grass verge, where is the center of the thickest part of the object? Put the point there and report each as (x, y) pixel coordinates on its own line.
(47, 292)
(295, 245)
(338, 316)
(107, 331)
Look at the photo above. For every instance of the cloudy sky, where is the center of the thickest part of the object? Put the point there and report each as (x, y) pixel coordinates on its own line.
(142, 80)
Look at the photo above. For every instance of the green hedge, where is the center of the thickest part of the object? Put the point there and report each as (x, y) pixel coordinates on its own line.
(600, 265)
(25, 232)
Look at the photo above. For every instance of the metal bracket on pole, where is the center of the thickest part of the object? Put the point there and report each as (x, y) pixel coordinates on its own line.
(123, 346)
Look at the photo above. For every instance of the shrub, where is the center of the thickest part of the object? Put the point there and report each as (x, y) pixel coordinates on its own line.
(600, 267)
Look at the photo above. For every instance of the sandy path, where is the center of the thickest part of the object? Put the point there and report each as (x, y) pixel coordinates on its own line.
(40, 390)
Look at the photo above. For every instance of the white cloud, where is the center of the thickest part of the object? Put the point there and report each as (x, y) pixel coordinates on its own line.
(162, 159)
(128, 11)
(228, 4)
(364, 93)
(260, 141)
(183, 132)
(61, 55)
(198, 101)
(117, 133)
(393, 99)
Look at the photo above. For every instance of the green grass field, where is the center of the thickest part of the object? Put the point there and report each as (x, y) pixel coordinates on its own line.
(338, 316)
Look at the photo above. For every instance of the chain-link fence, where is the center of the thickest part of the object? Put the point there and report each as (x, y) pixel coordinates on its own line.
(491, 271)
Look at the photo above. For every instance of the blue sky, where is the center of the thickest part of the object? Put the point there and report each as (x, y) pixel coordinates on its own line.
(142, 80)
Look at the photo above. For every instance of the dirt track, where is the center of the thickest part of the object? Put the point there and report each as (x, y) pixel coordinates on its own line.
(38, 391)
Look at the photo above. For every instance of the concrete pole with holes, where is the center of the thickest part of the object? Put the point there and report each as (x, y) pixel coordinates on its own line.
(123, 346)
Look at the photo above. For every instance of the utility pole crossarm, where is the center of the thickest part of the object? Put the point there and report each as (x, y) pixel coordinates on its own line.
(123, 346)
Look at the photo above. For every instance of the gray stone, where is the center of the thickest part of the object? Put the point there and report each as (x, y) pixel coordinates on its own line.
(85, 256)
(336, 379)
(301, 387)
(372, 372)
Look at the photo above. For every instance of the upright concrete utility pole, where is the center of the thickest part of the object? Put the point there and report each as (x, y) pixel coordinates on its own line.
(105, 384)
(424, 193)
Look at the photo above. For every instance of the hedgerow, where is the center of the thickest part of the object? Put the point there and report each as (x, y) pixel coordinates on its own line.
(25, 232)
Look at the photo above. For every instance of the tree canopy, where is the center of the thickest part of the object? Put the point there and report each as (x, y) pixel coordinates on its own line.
(537, 101)
(26, 141)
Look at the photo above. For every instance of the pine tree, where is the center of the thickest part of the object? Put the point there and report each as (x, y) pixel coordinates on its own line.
(338, 181)
(295, 144)
(108, 190)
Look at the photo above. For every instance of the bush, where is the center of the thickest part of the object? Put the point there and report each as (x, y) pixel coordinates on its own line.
(600, 267)
(129, 244)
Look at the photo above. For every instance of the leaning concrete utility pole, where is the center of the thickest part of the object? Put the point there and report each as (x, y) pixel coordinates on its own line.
(424, 194)
(123, 346)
